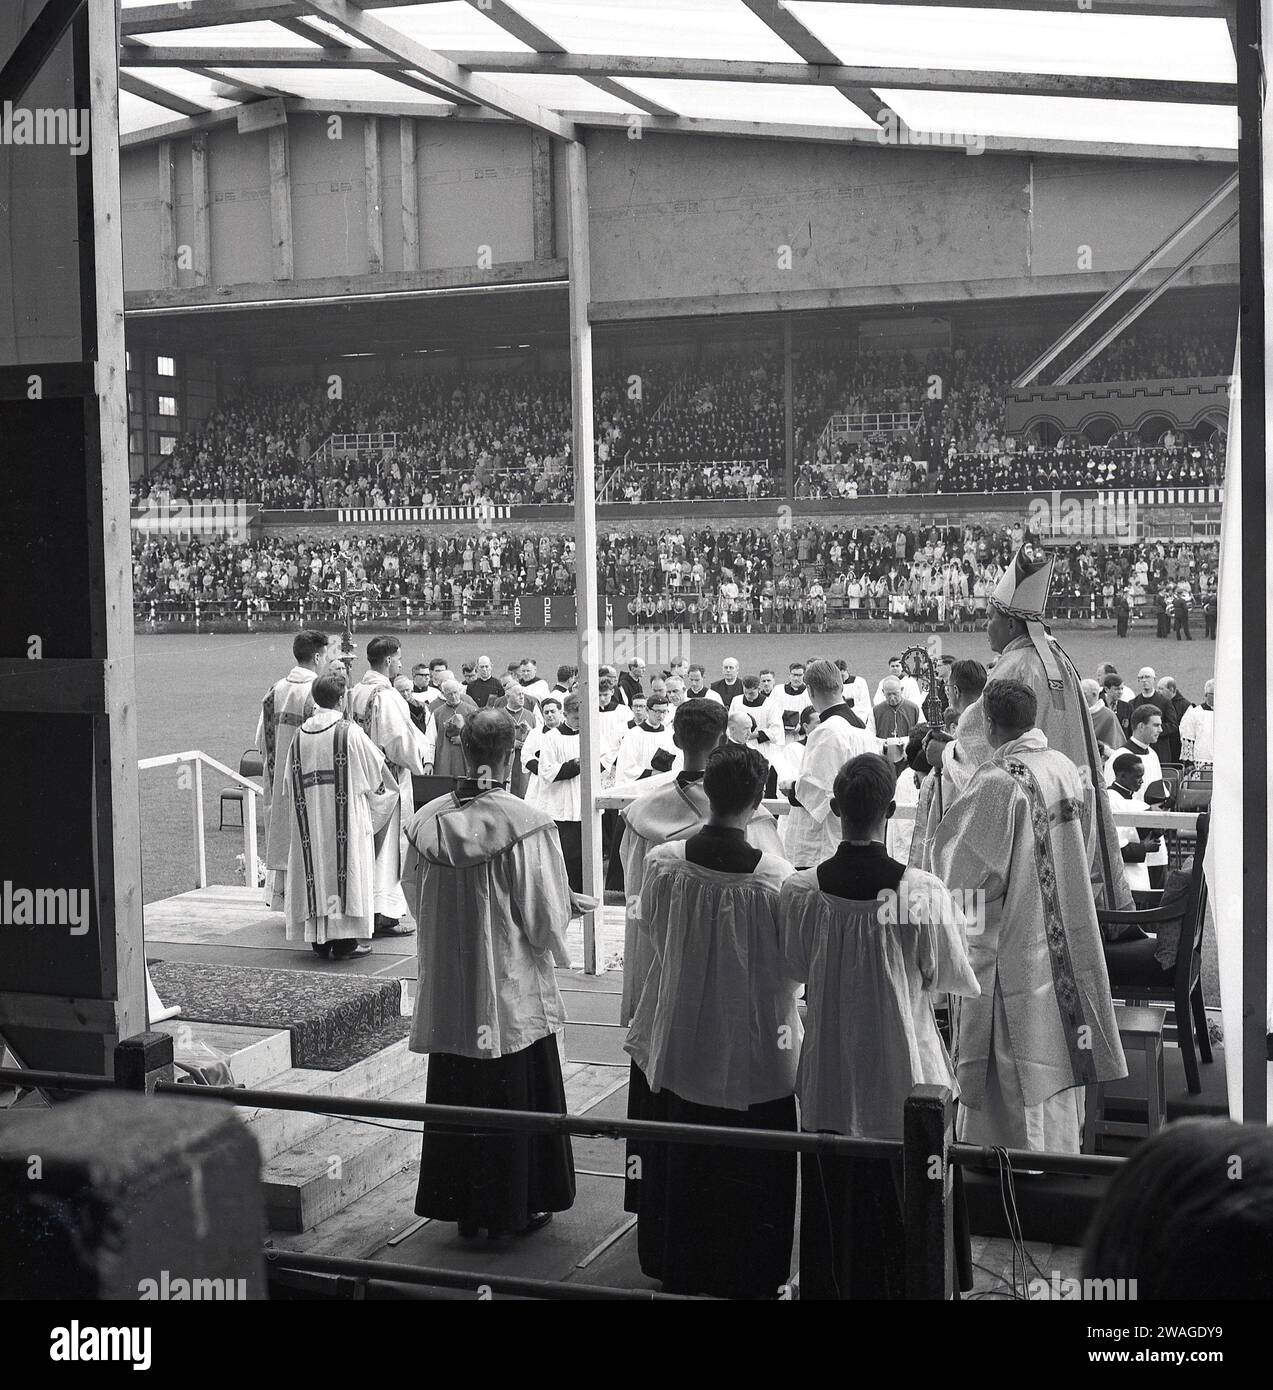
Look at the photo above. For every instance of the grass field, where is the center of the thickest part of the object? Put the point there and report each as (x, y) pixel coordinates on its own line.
(205, 692)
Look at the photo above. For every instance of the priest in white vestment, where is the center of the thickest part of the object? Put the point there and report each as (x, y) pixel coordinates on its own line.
(1024, 836)
(876, 944)
(284, 709)
(1030, 654)
(487, 883)
(559, 788)
(337, 797)
(717, 1034)
(812, 832)
(382, 714)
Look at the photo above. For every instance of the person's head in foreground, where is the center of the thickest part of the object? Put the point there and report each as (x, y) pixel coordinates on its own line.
(964, 684)
(655, 711)
(329, 690)
(824, 683)
(892, 689)
(452, 691)
(488, 739)
(1146, 725)
(1189, 1215)
(570, 710)
(1129, 772)
(735, 783)
(739, 727)
(862, 797)
(1010, 708)
(384, 654)
(698, 727)
(551, 710)
(309, 649)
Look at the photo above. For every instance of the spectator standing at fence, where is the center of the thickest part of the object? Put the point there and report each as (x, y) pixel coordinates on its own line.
(488, 885)
(717, 1035)
(1043, 1028)
(338, 795)
(873, 942)
(384, 716)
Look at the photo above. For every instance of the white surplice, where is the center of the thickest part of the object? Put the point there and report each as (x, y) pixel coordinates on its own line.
(377, 708)
(638, 746)
(669, 813)
(717, 1021)
(286, 706)
(812, 832)
(335, 795)
(487, 884)
(871, 971)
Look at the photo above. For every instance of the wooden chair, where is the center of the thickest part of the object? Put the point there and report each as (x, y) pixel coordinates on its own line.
(1137, 977)
(251, 764)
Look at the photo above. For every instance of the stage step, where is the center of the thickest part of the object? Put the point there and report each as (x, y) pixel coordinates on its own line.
(371, 1079)
(334, 1167)
(254, 1055)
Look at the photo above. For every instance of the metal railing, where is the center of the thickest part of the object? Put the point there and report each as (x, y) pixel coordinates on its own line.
(196, 760)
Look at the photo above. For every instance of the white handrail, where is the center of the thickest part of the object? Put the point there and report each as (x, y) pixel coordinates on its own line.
(198, 760)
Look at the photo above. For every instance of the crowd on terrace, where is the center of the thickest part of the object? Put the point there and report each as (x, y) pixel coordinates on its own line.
(707, 580)
(712, 428)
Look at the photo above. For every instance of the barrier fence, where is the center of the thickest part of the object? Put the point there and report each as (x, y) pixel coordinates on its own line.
(926, 1150)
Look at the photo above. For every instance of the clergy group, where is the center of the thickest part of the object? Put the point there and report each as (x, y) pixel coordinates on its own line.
(801, 972)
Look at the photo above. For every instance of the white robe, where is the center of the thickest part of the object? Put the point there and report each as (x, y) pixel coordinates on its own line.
(717, 1021)
(383, 715)
(487, 884)
(812, 831)
(1024, 835)
(330, 885)
(561, 800)
(285, 708)
(638, 747)
(871, 975)
(665, 814)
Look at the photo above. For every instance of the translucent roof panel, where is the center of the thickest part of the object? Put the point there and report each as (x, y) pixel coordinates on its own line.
(787, 103)
(191, 85)
(136, 113)
(326, 84)
(452, 24)
(1067, 118)
(659, 28)
(1084, 42)
(559, 93)
(253, 35)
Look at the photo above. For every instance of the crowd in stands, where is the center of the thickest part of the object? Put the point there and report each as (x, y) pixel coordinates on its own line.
(778, 579)
(714, 429)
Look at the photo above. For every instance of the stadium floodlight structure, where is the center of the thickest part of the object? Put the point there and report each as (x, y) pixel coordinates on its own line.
(1121, 80)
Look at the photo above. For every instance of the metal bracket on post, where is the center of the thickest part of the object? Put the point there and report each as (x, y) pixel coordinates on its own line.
(927, 1130)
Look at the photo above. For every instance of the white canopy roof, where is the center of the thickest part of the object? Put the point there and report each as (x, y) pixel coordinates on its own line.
(1122, 78)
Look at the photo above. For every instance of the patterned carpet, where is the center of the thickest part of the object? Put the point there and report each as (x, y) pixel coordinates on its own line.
(334, 1021)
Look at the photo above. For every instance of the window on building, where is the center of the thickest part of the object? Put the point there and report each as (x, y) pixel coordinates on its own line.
(128, 361)
(167, 443)
(166, 366)
(167, 405)
(134, 442)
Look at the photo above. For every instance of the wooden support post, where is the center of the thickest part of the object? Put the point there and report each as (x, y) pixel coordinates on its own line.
(167, 216)
(375, 213)
(927, 1130)
(410, 194)
(200, 851)
(250, 857)
(280, 203)
(585, 544)
(200, 199)
(541, 195)
(118, 815)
